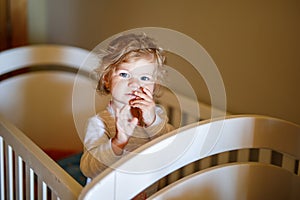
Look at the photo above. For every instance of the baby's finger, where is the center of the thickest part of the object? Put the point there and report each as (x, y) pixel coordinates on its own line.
(134, 122)
(138, 103)
(143, 96)
(147, 92)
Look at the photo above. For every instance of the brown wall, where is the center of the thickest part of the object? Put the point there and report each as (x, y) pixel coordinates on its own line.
(13, 23)
(255, 44)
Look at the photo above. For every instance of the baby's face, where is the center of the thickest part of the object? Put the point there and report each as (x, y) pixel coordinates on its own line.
(129, 77)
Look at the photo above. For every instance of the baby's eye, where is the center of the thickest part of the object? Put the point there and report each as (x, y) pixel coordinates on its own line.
(124, 75)
(145, 78)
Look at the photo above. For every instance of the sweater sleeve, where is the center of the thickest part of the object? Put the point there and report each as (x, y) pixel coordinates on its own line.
(98, 153)
(160, 126)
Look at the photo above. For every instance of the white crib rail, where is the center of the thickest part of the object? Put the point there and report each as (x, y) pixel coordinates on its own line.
(26, 172)
(257, 139)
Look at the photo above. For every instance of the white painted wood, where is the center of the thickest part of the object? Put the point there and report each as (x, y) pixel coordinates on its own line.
(40, 55)
(33, 101)
(177, 149)
(235, 181)
(37, 163)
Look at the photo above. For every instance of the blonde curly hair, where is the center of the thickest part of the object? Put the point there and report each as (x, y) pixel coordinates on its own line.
(126, 48)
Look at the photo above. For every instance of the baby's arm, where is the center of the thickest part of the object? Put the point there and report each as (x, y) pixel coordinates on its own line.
(98, 153)
(160, 126)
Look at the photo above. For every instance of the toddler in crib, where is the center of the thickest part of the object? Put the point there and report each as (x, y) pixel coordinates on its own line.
(130, 71)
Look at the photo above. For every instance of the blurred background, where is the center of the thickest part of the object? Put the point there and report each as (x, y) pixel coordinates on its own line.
(255, 44)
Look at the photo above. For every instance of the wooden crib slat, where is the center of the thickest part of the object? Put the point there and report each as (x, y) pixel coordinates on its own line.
(288, 163)
(243, 155)
(188, 169)
(42, 190)
(29, 183)
(10, 167)
(205, 163)
(265, 155)
(38, 165)
(19, 177)
(174, 176)
(223, 158)
(54, 197)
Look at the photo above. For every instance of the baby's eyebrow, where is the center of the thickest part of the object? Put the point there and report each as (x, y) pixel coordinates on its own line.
(119, 69)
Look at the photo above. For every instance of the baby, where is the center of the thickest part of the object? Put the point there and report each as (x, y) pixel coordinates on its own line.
(130, 70)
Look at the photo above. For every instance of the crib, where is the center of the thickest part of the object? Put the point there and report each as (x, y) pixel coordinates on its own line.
(250, 150)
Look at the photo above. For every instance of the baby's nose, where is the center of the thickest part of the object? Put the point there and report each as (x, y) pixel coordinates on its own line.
(134, 83)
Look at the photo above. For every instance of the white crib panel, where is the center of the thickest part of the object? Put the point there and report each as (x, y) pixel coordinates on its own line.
(41, 54)
(37, 164)
(236, 133)
(26, 154)
(49, 88)
(108, 185)
(252, 132)
(233, 182)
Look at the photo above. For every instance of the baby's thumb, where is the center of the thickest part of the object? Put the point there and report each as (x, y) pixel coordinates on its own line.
(134, 121)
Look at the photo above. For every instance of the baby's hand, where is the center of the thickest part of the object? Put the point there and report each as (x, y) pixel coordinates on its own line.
(125, 124)
(144, 101)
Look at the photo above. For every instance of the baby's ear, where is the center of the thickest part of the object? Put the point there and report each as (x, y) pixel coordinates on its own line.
(107, 86)
(106, 83)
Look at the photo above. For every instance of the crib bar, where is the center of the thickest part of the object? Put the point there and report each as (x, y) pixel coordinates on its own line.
(243, 155)
(10, 168)
(265, 156)
(19, 178)
(2, 191)
(288, 163)
(42, 190)
(188, 169)
(29, 183)
(205, 163)
(41, 172)
(223, 158)
(54, 197)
